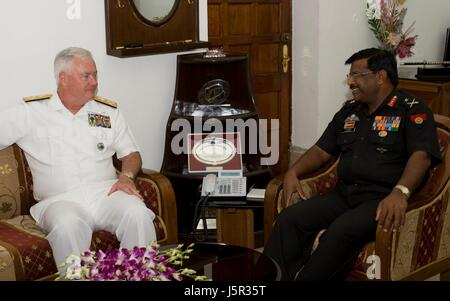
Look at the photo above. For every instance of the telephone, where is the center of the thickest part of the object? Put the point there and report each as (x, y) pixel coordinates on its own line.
(224, 186)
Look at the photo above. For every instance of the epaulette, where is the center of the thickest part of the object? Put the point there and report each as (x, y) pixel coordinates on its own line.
(106, 102)
(349, 102)
(410, 102)
(37, 98)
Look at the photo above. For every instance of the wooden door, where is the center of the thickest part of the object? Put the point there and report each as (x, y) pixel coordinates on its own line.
(263, 29)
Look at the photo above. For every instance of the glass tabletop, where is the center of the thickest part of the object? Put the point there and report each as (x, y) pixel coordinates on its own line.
(222, 262)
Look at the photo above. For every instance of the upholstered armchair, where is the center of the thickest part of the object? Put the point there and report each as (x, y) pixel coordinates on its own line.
(25, 254)
(421, 249)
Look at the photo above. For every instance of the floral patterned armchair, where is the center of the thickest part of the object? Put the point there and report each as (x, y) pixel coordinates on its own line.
(421, 249)
(25, 254)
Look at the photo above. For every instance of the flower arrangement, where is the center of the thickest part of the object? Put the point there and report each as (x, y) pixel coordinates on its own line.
(385, 18)
(137, 264)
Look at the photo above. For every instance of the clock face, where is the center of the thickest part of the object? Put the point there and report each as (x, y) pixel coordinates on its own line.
(214, 151)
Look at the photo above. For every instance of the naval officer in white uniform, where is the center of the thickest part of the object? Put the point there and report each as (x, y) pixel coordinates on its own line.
(69, 139)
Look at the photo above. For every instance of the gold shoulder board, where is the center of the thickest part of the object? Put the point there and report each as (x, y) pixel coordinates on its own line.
(37, 98)
(107, 102)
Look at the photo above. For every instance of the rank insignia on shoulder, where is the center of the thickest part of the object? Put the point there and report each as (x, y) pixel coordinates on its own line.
(106, 102)
(393, 101)
(37, 98)
(419, 118)
(411, 103)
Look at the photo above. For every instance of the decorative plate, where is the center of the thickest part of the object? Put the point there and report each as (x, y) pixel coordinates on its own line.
(214, 151)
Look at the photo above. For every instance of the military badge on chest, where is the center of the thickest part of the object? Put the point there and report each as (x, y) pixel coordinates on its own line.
(350, 124)
(386, 124)
(99, 120)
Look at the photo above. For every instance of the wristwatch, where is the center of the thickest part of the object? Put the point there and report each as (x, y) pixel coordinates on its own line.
(128, 174)
(404, 190)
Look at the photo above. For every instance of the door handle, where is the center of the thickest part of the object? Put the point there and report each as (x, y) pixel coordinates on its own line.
(119, 4)
(286, 58)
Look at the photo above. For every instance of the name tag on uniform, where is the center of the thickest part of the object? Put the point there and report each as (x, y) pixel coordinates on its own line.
(99, 120)
(386, 123)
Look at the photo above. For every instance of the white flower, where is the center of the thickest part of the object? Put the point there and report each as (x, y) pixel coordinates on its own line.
(130, 264)
(373, 9)
(394, 39)
(73, 260)
(73, 271)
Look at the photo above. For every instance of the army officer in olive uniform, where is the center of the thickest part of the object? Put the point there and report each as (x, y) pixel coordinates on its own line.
(386, 141)
(69, 139)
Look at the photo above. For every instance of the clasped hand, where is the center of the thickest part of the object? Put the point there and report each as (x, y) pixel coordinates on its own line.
(126, 185)
(391, 212)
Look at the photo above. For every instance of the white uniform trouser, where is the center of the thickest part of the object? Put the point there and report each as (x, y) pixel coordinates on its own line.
(70, 223)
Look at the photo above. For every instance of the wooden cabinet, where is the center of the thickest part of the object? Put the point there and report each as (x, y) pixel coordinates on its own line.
(436, 95)
(135, 28)
(231, 219)
(210, 91)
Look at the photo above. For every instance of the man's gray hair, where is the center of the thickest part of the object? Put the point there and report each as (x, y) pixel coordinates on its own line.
(63, 60)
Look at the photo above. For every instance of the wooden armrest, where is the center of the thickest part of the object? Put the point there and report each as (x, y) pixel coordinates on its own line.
(383, 249)
(421, 201)
(270, 204)
(168, 210)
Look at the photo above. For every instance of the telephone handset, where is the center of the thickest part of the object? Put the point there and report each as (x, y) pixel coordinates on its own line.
(209, 184)
(224, 186)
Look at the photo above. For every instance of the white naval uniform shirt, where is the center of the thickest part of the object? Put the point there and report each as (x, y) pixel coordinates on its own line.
(67, 155)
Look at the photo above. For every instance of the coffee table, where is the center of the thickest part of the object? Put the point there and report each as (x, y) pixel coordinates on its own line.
(222, 262)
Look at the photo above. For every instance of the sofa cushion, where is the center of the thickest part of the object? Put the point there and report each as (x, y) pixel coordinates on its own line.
(11, 185)
(29, 250)
(25, 253)
(6, 265)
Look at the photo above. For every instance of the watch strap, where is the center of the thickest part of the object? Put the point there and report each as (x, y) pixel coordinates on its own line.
(404, 190)
(128, 174)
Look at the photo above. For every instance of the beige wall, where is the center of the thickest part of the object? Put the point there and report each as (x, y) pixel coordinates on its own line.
(33, 31)
(326, 33)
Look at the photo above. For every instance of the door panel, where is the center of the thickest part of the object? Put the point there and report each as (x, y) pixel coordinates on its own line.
(260, 28)
(239, 20)
(266, 59)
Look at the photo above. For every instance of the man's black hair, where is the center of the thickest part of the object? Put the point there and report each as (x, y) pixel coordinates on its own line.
(377, 60)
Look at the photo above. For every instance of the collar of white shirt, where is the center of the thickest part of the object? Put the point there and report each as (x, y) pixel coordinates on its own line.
(56, 104)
